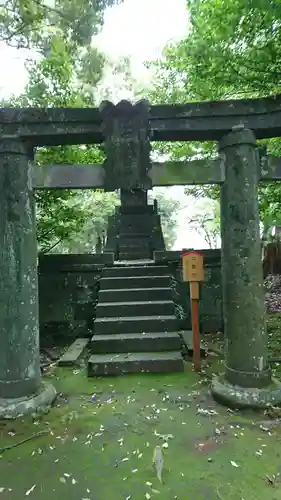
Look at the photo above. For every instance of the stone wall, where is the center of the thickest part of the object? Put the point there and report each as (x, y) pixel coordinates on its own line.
(210, 291)
(69, 285)
(68, 289)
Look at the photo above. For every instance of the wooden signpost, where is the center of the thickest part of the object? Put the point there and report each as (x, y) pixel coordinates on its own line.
(193, 272)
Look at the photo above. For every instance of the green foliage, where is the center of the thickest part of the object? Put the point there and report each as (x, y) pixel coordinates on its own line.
(206, 222)
(118, 82)
(63, 215)
(168, 210)
(232, 50)
(29, 23)
(96, 206)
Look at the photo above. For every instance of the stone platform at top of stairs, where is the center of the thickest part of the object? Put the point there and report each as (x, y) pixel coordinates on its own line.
(137, 262)
(134, 253)
(150, 362)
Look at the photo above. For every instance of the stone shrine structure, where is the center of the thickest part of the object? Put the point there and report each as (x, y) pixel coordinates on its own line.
(134, 234)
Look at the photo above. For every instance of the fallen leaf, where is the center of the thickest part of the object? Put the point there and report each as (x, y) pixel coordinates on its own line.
(202, 411)
(270, 480)
(62, 480)
(30, 491)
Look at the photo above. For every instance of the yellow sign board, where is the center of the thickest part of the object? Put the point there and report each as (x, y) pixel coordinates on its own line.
(193, 266)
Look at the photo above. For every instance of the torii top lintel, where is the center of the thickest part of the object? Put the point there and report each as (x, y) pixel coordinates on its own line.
(196, 121)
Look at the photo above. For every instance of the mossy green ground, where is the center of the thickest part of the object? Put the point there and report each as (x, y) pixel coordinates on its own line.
(100, 447)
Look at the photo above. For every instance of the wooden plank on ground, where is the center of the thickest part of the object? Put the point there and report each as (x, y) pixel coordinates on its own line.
(73, 353)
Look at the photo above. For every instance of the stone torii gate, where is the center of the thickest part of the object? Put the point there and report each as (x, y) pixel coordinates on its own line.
(126, 131)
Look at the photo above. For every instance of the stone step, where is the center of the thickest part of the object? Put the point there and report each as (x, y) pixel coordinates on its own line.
(135, 294)
(117, 364)
(136, 308)
(133, 255)
(137, 262)
(135, 240)
(137, 250)
(122, 271)
(136, 210)
(73, 353)
(133, 250)
(129, 233)
(130, 282)
(135, 324)
(135, 342)
(133, 243)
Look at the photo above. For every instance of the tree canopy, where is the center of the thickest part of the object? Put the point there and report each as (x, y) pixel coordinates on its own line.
(168, 209)
(231, 50)
(31, 23)
(69, 73)
(65, 75)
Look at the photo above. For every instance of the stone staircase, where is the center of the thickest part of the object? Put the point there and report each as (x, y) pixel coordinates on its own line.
(134, 246)
(135, 329)
(134, 231)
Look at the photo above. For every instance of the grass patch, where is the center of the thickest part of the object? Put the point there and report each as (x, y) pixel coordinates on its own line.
(103, 433)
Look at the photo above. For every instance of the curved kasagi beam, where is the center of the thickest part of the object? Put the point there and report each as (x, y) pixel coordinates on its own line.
(197, 121)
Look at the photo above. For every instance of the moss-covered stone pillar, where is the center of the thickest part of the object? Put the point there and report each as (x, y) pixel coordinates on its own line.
(247, 378)
(21, 387)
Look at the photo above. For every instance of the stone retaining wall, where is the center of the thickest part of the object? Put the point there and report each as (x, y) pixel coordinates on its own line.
(210, 291)
(68, 290)
(69, 285)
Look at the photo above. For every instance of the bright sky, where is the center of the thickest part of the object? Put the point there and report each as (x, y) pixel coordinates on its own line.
(141, 28)
(136, 28)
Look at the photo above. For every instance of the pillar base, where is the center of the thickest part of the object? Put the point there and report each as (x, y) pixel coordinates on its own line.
(236, 396)
(17, 407)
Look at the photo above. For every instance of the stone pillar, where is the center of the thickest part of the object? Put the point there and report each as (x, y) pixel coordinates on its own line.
(247, 378)
(21, 388)
(133, 197)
